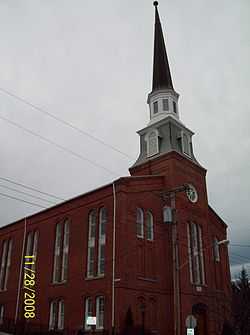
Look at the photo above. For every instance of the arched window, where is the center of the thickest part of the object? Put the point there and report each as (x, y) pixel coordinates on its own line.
(195, 250)
(100, 304)
(102, 222)
(88, 311)
(152, 143)
(61, 252)
(186, 147)
(139, 223)
(91, 244)
(149, 226)
(167, 214)
(216, 250)
(102, 240)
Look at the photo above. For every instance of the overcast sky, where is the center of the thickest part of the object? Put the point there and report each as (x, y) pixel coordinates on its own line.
(90, 63)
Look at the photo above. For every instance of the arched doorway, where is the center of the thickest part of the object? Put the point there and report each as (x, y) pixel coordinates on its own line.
(200, 313)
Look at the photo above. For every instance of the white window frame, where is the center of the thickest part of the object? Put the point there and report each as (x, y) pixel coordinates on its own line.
(149, 226)
(3, 264)
(155, 107)
(57, 252)
(216, 250)
(88, 311)
(56, 315)
(65, 255)
(165, 103)
(195, 254)
(102, 241)
(167, 214)
(31, 247)
(148, 138)
(139, 223)
(35, 245)
(100, 314)
(185, 143)
(60, 323)
(53, 314)
(7, 271)
(92, 224)
(61, 251)
(175, 107)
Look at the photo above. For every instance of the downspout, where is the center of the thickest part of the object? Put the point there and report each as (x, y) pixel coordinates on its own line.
(113, 261)
(20, 272)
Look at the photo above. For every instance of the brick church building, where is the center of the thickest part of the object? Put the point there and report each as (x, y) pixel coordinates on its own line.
(144, 252)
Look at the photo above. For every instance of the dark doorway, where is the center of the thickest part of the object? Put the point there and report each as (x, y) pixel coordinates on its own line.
(200, 313)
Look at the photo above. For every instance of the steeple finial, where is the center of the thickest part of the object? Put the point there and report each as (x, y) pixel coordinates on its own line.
(161, 71)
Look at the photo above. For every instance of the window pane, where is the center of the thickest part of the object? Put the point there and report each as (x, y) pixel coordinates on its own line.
(100, 312)
(190, 257)
(139, 222)
(149, 223)
(34, 252)
(57, 253)
(61, 315)
(103, 221)
(65, 251)
(52, 315)
(8, 263)
(152, 143)
(91, 261)
(101, 259)
(1, 313)
(155, 107)
(202, 269)
(29, 244)
(165, 104)
(174, 106)
(185, 144)
(92, 224)
(88, 310)
(3, 264)
(197, 278)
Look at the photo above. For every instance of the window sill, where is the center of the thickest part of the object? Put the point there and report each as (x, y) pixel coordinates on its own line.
(96, 277)
(152, 280)
(199, 287)
(59, 283)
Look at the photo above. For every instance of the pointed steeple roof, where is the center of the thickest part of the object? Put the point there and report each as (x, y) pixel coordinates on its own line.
(161, 71)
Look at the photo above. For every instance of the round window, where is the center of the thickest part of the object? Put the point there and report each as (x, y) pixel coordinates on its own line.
(192, 193)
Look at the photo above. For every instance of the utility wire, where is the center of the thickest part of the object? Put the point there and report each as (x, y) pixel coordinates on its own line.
(58, 145)
(243, 257)
(27, 202)
(240, 245)
(31, 188)
(25, 193)
(66, 123)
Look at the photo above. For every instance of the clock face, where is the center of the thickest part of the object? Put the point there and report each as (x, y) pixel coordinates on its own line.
(192, 193)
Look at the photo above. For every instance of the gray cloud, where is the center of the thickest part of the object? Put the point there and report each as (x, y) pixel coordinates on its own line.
(90, 63)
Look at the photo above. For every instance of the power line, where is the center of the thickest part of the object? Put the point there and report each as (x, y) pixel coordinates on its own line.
(240, 245)
(243, 257)
(25, 193)
(30, 188)
(27, 202)
(58, 145)
(66, 123)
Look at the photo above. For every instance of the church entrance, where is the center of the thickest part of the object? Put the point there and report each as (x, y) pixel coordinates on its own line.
(200, 313)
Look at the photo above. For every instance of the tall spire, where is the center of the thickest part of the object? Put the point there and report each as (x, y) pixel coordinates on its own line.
(161, 71)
